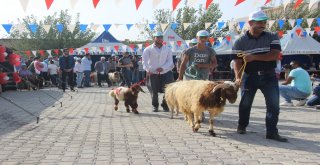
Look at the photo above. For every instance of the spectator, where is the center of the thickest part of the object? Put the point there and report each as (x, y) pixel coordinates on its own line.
(87, 62)
(78, 69)
(66, 64)
(102, 68)
(125, 63)
(53, 72)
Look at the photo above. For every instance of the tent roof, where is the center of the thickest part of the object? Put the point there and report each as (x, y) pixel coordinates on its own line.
(226, 47)
(291, 43)
(105, 37)
(171, 38)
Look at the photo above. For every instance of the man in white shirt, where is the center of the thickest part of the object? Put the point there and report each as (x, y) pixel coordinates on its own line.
(87, 62)
(53, 72)
(158, 63)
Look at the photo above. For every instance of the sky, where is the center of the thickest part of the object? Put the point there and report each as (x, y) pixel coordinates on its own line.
(109, 12)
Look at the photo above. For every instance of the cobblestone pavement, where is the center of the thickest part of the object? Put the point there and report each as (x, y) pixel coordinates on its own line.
(86, 130)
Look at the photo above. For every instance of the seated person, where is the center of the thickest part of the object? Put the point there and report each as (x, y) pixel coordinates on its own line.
(26, 76)
(315, 98)
(300, 86)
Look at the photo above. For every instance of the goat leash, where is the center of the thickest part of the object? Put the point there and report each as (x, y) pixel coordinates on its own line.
(243, 67)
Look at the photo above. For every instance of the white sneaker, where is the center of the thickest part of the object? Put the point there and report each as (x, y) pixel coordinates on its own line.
(286, 104)
(301, 102)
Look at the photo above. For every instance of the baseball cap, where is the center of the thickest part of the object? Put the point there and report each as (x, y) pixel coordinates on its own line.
(194, 41)
(202, 33)
(157, 34)
(258, 16)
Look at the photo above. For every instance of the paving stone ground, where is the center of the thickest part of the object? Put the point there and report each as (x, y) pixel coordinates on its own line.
(86, 130)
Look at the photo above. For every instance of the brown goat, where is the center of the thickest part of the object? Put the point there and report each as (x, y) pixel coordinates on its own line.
(128, 95)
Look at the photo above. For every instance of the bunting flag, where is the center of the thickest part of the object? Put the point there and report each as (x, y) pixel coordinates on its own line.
(174, 26)
(285, 3)
(311, 33)
(241, 25)
(41, 52)
(71, 51)
(21, 28)
(220, 39)
(140, 26)
(192, 2)
(280, 33)
(86, 50)
(175, 3)
(34, 53)
(318, 21)
(186, 25)
(118, 2)
(317, 28)
(60, 28)
(46, 28)
(163, 26)
(71, 27)
(238, 2)
(155, 3)
(28, 53)
(298, 31)
(307, 30)
(152, 26)
(208, 4)
(49, 52)
(179, 43)
(49, 3)
(138, 3)
(7, 27)
(106, 27)
(116, 47)
(228, 38)
(270, 23)
(140, 46)
(73, 3)
(131, 46)
(56, 51)
(299, 21)
(129, 26)
(95, 3)
(83, 27)
(116, 25)
(33, 28)
(95, 27)
(211, 40)
(207, 25)
(309, 21)
(281, 23)
(220, 25)
(297, 4)
(291, 22)
(24, 4)
(312, 2)
(101, 48)
(268, 1)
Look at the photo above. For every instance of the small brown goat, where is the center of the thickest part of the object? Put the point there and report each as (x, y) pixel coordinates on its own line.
(128, 95)
(195, 96)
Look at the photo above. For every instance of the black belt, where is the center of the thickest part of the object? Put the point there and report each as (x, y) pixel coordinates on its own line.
(264, 72)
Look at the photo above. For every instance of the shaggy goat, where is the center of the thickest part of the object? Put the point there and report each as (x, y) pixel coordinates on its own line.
(195, 96)
(115, 77)
(128, 95)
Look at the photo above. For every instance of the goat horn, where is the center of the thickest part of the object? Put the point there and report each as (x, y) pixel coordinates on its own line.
(218, 86)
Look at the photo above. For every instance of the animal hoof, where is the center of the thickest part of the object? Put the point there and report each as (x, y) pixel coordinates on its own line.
(115, 108)
(212, 133)
(135, 112)
(195, 129)
(128, 110)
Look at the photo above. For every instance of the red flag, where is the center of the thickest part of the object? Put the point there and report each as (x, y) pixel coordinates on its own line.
(56, 51)
(268, 1)
(208, 3)
(164, 43)
(116, 47)
(102, 49)
(179, 43)
(28, 53)
(95, 3)
(297, 4)
(175, 3)
(317, 28)
(86, 50)
(211, 39)
(41, 52)
(71, 50)
(238, 2)
(228, 38)
(298, 31)
(138, 2)
(49, 3)
(132, 46)
(280, 33)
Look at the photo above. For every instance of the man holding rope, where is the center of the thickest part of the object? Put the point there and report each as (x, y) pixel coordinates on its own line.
(259, 51)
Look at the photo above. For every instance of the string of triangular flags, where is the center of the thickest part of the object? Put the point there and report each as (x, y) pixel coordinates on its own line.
(175, 3)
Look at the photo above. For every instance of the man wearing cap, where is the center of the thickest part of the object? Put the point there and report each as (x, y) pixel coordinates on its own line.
(261, 50)
(192, 43)
(158, 63)
(66, 64)
(102, 68)
(200, 58)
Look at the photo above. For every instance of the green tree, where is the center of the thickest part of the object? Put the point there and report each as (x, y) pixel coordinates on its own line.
(41, 40)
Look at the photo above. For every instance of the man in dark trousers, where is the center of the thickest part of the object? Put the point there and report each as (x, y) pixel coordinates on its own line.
(261, 50)
(66, 64)
(157, 61)
(102, 68)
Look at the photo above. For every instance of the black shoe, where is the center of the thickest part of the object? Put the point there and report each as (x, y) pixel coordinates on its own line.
(165, 107)
(241, 130)
(155, 109)
(276, 137)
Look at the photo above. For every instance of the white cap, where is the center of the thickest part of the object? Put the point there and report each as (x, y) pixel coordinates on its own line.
(202, 33)
(258, 16)
(194, 41)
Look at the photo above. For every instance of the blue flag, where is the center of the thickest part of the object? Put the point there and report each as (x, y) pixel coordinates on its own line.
(241, 24)
(220, 25)
(281, 23)
(129, 26)
(299, 21)
(83, 27)
(60, 27)
(174, 26)
(152, 26)
(318, 21)
(106, 27)
(33, 28)
(7, 27)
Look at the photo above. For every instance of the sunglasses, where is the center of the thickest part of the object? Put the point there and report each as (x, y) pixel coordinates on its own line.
(203, 37)
(159, 36)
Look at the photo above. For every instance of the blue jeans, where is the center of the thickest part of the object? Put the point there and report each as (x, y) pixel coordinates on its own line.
(315, 99)
(292, 93)
(79, 79)
(268, 84)
(127, 76)
(87, 78)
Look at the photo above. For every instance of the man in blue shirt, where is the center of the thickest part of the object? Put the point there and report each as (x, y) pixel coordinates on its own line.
(300, 86)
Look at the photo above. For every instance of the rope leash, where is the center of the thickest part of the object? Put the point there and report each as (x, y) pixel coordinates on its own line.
(243, 67)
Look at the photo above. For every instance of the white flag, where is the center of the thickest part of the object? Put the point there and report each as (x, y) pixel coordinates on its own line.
(49, 52)
(117, 25)
(124, 48)
(285, 3)
(24, 4)
(312, 2)
(309, 21)
(155, 3)
(186, 25)
(163, 26)
(291, 22)
(118, 2)
(34, 53)
(192, 2)
(47, 28)
(207, 25)
(271, 22)
(71, 27)
(140, 46)
(311, 32)
(308, 30)
(95, 27)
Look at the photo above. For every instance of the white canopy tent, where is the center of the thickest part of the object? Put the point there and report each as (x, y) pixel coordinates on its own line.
(293, 44)
(171, 38)
(226, 47)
